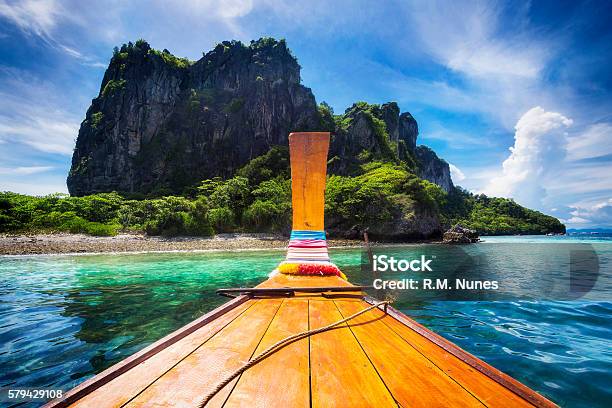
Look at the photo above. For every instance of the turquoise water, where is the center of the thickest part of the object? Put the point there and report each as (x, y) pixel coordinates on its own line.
(65, 318)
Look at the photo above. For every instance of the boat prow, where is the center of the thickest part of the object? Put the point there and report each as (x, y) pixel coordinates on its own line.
(380, 358)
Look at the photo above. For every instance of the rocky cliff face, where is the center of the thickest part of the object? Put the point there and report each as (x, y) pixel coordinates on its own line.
(359, 135)
(432, 168)
(408, 130)
(377, 129)
(160, 124)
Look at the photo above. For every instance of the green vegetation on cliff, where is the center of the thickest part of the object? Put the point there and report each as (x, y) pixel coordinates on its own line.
(373, 196)
(258, 198)
(142, 48)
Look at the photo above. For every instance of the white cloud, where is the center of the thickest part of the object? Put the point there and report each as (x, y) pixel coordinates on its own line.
(32, 113)
(32, 16)
(212, 16)
(96, 64)
(24, 171)
(464, 37)
(598, 215)
(36, 189)
(42, 18)
(456, 173)
(476, 176)
(549, 168)
(42, 133)
(494, 71)
(71, 51)
(539, 148)
(233, 8)
(575, 220)
(589, 181)
(596, 141)
(499, 99)
(219, 8)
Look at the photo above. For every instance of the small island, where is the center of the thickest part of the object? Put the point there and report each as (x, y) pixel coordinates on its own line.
(172, 147)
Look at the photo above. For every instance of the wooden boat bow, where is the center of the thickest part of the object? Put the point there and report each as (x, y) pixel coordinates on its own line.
(378, 358)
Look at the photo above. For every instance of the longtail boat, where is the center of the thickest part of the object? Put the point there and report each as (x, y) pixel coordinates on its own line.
(305, 337)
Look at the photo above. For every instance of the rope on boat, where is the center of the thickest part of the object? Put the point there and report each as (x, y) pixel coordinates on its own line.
(280, 344)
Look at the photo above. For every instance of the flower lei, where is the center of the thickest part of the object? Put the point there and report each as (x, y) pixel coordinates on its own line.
(310, 269)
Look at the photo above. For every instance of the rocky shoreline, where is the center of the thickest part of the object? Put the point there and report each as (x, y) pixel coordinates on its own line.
(63, 243)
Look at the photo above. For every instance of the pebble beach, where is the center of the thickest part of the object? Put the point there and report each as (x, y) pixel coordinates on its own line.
(62, 243)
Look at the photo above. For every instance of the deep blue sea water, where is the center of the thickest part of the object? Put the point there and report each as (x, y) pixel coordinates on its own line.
(65, 318)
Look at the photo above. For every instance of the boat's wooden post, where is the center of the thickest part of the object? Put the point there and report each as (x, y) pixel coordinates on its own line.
(307, 252)
(308, 152)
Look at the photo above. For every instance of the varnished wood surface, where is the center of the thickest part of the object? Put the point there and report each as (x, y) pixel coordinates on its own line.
(308, 151)
(197, 374)
(418, 373)
(296, 281)
(259, 386)
(373, 360)
(340, 371)
(124, 387)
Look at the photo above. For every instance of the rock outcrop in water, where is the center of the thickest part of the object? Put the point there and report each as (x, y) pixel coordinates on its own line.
(160, 123)
(460, 235)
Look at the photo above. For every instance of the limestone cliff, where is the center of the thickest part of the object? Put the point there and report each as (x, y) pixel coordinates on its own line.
(432, 168)
(161, 124)
(366, 132)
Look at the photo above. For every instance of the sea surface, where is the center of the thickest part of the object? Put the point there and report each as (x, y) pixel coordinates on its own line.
(64, 318)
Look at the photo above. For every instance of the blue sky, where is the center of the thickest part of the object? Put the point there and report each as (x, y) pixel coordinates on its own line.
(481, 78)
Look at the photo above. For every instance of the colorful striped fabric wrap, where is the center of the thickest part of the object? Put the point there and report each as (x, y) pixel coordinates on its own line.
(307, 255)
(307, 246)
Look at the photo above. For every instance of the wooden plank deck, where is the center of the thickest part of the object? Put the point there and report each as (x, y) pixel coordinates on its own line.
(374, 360)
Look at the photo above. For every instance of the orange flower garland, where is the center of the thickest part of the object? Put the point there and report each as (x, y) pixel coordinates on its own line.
(310, 269)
